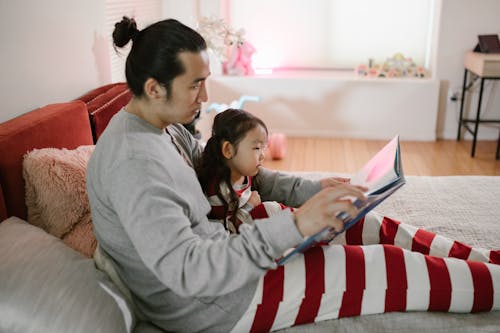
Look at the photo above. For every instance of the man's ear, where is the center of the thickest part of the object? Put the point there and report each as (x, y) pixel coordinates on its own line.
(227, 150)
(153, 89)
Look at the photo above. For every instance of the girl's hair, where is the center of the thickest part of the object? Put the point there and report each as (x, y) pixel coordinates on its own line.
(231, 125)
(155, 50)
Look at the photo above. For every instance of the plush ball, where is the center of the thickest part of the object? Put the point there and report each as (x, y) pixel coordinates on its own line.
(277, 146)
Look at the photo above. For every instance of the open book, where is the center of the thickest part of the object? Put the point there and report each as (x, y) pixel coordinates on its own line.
(382, 175)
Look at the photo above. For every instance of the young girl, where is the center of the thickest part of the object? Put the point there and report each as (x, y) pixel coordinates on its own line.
(232, 156)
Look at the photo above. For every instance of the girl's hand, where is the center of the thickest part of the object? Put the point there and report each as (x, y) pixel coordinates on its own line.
(332, 181)
(254, 199)
(321, 210)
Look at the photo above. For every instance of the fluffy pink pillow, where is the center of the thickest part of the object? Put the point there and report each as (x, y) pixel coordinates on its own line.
(56, 195)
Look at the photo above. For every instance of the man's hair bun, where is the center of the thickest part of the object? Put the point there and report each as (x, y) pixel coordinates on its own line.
(125, 30)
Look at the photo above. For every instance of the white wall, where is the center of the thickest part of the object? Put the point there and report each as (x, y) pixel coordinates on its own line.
(186, 12)
(334, 105)
(461, 22)
(55, 50)
(51, 51)
(458, 23)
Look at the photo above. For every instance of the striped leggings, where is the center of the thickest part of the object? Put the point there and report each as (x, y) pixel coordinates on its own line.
(397, 268)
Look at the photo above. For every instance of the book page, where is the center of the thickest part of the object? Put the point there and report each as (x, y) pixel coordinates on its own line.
(383, 175)
(380, 170)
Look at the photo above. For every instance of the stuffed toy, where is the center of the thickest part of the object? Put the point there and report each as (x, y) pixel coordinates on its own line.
(239, 61)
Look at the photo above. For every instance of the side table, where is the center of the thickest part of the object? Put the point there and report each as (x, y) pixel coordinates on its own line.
(486, 67)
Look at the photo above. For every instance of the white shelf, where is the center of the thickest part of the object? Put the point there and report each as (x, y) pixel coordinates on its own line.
(319, 75)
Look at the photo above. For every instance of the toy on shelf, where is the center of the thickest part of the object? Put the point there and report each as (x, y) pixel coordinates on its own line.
(396, 66)
(240, 57)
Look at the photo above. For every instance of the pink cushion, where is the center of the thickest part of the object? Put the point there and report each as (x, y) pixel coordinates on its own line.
(56, 195)
(64, 125)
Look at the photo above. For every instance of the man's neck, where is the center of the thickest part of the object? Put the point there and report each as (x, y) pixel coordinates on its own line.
(143, 109)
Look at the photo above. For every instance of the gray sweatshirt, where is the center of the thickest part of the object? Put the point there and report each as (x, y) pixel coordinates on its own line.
(149, 213)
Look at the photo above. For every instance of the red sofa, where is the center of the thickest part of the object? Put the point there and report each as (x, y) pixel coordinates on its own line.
(103, 102)
(63, 125)
(46, 285)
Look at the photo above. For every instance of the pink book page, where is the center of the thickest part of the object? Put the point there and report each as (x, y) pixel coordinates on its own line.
(380, 169)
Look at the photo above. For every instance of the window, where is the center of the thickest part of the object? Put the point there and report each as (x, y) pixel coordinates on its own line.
(327, 34)
(144, 11)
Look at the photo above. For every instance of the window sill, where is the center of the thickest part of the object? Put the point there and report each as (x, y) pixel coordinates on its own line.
(344, 75)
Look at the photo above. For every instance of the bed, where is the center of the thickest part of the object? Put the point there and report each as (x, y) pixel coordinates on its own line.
(49, 282)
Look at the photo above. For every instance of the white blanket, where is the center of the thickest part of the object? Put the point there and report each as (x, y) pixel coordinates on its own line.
(463, 208)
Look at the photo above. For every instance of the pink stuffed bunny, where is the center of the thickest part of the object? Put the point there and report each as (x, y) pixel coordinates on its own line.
(240, 59)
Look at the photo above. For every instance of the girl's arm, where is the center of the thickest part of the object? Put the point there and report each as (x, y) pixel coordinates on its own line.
(286, 188)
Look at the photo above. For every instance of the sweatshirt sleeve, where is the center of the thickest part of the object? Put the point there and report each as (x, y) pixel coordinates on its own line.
(163, 212)
(191, 147)
(289, 189)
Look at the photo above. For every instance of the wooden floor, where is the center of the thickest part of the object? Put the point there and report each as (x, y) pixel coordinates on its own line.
(439, 158)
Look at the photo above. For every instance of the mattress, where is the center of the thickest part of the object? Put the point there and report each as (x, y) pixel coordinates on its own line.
(463, 208)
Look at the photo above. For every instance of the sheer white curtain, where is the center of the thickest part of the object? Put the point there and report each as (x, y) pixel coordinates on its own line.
(334, 33)
(145, 12)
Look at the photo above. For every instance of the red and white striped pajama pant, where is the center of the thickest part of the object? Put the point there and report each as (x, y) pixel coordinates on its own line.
(397, 268)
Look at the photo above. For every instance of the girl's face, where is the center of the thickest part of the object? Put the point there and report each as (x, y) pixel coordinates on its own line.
(246, 160)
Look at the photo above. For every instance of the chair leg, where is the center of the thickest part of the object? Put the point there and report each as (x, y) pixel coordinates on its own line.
(478, 117)
(498, 146)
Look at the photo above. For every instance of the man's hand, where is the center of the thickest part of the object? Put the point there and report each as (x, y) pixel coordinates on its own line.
(321, 210)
